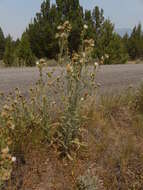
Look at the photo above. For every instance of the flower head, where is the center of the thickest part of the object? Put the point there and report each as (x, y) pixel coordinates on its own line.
(82, 99)
(42, 61)
(5, 150)
(6, 107)
(106, 56)
(66, 23)
(85, 26)
(37, 63)
(13, 159)
(96, 64)
(10, 125)
(75, 57)
(57, 35)
(102, 58)
(59, 27)
(83, 54)
(63, 35)
(69, 68)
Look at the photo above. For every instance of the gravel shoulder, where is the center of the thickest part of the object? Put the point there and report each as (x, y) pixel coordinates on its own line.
(111, 77)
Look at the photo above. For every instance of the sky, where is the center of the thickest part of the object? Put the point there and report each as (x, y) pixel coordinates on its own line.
(16, 14)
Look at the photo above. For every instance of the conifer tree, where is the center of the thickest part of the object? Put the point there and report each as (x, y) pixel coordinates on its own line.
(42, 30)
(135, 43)
(109, 43)
(24, 52)
(9, 52)
(2, 44)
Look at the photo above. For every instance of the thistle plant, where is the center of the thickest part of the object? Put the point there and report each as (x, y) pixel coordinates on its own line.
(40, 64)
(6, 164)
(22, 123)
(76, 67)
(6, 158)
(21, 119)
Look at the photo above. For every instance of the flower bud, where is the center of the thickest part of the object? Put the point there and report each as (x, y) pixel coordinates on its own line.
(85, 26)
(69, 68)
(13, 159)
(5, 150)
(96, 64)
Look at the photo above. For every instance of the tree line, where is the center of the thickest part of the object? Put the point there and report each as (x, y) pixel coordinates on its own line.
(38, 40)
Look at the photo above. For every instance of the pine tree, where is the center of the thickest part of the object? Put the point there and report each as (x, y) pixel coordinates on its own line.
(72, 11)
(89, 22)
(24, 52)
(125, 40)
(9, 52)
(45, 8)
(116, 51)
(111, 44)
(135, 43)
(41, 32)
(98, 19)
(2, 44)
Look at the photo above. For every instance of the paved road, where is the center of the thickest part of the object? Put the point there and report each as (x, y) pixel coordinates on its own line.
(111, 77)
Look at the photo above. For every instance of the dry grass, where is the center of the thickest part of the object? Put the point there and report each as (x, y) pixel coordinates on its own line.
(112, 159)
(117, 146)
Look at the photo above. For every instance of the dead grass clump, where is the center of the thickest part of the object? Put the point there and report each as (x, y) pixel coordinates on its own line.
(116, 144)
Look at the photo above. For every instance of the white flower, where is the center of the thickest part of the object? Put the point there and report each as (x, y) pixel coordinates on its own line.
(83, 54)
(57, 36)
(96, 64)
(81, 61)
(102, 58)
(85, 26)
(66, 22)
(42, 61)
(13, 159)
(92, 45)
(106, 56)
(37, 63)
(82, 99)
(12, 127)
(59, 27)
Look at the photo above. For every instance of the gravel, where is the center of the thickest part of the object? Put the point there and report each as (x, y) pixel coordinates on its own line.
(111, 77)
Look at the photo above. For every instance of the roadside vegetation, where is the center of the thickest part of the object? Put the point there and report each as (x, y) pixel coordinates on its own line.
(38, 40)
(78, 141)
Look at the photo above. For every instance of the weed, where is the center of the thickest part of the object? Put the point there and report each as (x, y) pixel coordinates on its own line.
(76, 64)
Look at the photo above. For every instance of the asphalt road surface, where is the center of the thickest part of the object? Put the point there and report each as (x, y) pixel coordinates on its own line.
(111, 77)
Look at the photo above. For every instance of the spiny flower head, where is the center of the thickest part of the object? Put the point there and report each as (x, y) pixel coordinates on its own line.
(60, 28)
(65, 27)
(69, 68)
(85, 26)
(96, 64)
(106, 56)
(41, 63)
(75, 57)
(5, 150)
(89, 44)
(13, 159)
